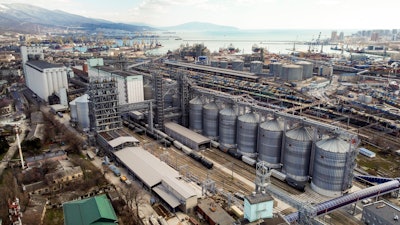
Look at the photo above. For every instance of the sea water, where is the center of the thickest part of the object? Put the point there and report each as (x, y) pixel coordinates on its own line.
(274, 41)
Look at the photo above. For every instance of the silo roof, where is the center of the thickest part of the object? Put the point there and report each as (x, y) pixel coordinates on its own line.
(333, 145)
(301, 134)
(211, 105)
(196, 100)
(272, 125)
(291, 66)
(228, 112)
(248, 118)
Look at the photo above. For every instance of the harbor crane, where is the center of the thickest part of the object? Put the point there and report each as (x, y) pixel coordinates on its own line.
(16, 129)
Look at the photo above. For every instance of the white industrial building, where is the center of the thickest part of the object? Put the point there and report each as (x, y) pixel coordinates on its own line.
(130, 85)
(79, 109)
(45, 79)
(159, 177)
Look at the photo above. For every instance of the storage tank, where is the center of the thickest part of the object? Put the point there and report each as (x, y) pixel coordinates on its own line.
(329, 171)
(275, 69)
(210, 120)
(82, 109)
(270, 142)
(73, 112)
(195, 114)
(223, 64)
(307, 69)
(147, 91)
(361, 97)
(368, 99)
(214, 63)
(247, 127)
(291, 72)
(227, 128)
(296, 159)
(237, 65)
(256, 67)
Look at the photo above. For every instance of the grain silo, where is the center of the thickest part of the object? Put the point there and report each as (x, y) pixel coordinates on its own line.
(256, 67)
(210, 120)
(82, 109)
(223, 64)
(227, 128)
(270, 142)
(214, 63)
(247, 128)
(195, 114)
(275, 69)
(291, 72)
(73, 111)
(297, 151)
(331, 174)
(237, 65)
(307, 69)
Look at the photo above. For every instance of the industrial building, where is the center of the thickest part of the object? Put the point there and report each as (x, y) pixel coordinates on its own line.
(186, 136)
(46, 79)
(129, 84)
(213, 213)
(258, 206)
(158, 177)
(380, 212)
(115, 140)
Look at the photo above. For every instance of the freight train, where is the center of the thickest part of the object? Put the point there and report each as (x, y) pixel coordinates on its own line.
(205, 162)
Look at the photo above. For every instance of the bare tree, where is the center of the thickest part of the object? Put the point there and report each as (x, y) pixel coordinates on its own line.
(135, 197)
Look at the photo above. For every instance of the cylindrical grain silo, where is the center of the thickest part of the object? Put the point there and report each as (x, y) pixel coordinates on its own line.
(214, 63)
(256, 67)
(296, 159)
(329, 170)
(270, 142)
(227, 128)
(210, 120)
(307, 69)
(82, 109)
(195, 114)
(73, 112)
(247, 127)
(275, 69)
(291, 72)
(237, 65)
(223, 64)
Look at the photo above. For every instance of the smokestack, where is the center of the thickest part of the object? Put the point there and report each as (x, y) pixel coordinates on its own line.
(85, 67)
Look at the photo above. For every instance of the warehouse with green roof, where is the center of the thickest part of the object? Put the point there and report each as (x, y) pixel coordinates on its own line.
(91, 211)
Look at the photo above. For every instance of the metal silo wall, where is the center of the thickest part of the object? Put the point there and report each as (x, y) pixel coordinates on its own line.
(291, 72)
(296, 160)
(307, 69)
(195, 114)
(210, 120)
(227, 127)
(270, 142)
(237, 65)
(247, 128)
(256, 67)
(329, 165)
(276, 69)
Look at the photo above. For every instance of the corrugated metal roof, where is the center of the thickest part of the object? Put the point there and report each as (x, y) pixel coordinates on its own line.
(198, 138)
(196, 101)
(96, 210)
(333, 145)
(147, 167)
(184, 190)
(120, 140)
(169, 198)
(248, 118)
(272, 125)
(211, 105)
(301, 134)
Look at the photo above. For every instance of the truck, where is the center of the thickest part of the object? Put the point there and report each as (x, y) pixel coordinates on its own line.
(115, 170)
(125, 180)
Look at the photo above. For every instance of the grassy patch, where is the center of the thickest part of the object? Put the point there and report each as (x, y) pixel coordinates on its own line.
(54, 217)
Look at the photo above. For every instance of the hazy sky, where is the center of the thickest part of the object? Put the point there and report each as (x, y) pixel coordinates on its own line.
(244, 14)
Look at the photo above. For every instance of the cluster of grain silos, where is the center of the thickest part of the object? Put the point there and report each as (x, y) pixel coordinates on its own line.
(295, 149)
(292, 72)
